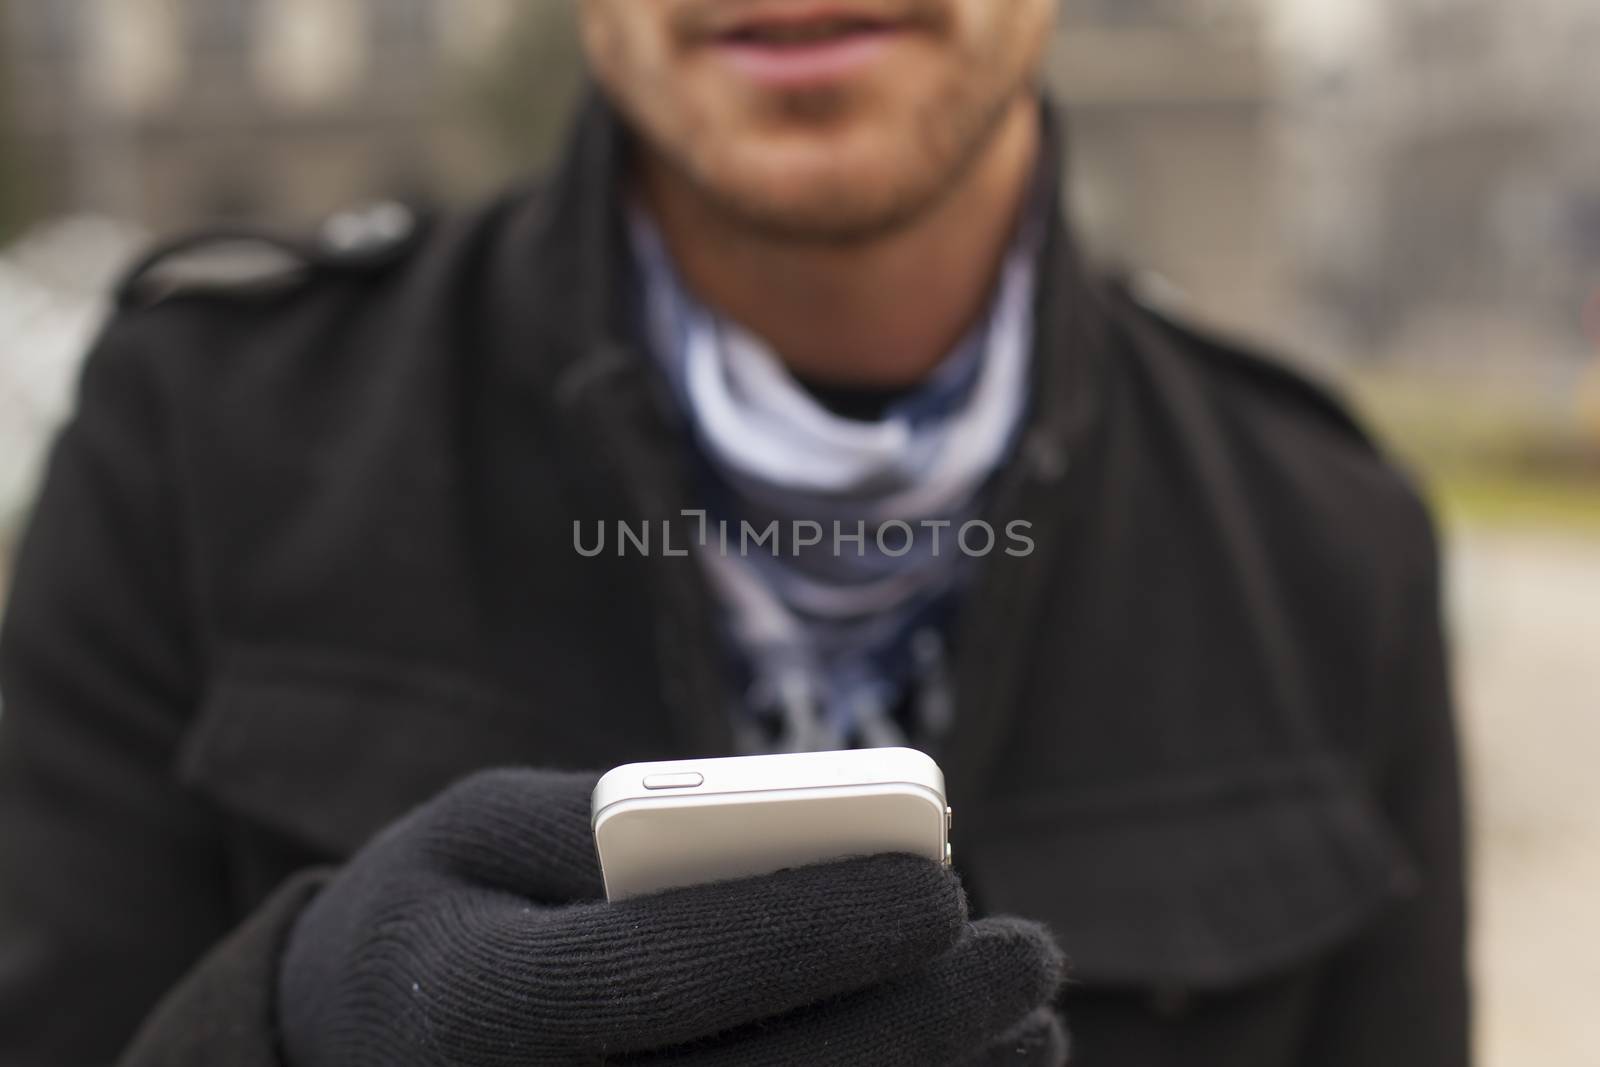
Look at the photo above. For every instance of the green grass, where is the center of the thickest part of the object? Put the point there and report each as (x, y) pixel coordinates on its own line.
(1491, 455)
(1482, 498)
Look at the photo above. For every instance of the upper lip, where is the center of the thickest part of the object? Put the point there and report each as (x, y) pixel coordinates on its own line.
(792, 17)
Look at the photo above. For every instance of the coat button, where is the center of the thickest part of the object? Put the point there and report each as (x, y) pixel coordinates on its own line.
(1046, 456)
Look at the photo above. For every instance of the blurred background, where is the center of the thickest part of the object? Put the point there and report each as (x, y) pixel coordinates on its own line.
(1401, 195)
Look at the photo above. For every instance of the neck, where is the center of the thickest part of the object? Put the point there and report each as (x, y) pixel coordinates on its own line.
(882, 313)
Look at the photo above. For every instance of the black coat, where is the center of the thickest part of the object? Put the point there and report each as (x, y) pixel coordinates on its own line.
(305, 556)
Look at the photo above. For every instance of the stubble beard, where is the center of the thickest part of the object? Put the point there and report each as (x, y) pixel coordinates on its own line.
(949, 140)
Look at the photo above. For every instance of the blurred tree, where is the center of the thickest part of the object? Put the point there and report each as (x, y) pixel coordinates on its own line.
(525, 91)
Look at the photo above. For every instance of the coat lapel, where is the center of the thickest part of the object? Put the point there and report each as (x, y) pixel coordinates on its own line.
(1042, 485)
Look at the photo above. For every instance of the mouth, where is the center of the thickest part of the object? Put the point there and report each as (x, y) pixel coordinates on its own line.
(800, 32)
(794, 48)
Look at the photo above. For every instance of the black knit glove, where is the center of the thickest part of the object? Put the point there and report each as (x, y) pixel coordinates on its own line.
(472, 934)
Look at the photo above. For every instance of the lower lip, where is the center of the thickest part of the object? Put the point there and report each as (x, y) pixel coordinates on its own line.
(799, 66)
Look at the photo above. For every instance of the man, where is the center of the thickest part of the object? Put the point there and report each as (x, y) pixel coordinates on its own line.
(320, 548)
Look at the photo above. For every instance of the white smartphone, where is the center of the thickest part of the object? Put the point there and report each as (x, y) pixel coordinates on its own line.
(689, 822)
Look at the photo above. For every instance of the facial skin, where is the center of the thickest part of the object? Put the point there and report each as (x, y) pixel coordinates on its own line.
(826, 121)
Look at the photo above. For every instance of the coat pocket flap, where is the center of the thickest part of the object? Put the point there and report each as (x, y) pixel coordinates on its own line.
(328, 750)
(1205, 885)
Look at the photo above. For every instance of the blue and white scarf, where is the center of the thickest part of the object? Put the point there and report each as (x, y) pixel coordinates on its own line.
(837, 637)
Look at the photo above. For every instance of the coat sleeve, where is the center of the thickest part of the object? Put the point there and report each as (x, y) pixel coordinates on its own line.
(112, 878)
(223, 1012)
(1400, 994)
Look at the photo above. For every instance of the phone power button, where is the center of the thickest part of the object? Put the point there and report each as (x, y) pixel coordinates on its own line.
(674, 781)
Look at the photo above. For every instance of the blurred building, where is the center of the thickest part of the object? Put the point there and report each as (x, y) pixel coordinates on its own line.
(1444, 164)
(168, 111)
(1367, 179)
(1171, 108)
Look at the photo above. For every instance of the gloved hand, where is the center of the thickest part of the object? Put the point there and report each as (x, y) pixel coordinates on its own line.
(472, 933)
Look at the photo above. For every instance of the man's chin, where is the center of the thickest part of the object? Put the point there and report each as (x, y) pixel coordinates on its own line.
(827, 227)
(819, 187)
(831, 206)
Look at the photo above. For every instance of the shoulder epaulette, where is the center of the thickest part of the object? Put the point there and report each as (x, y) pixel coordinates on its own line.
(243, 262)
(1161, 303)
